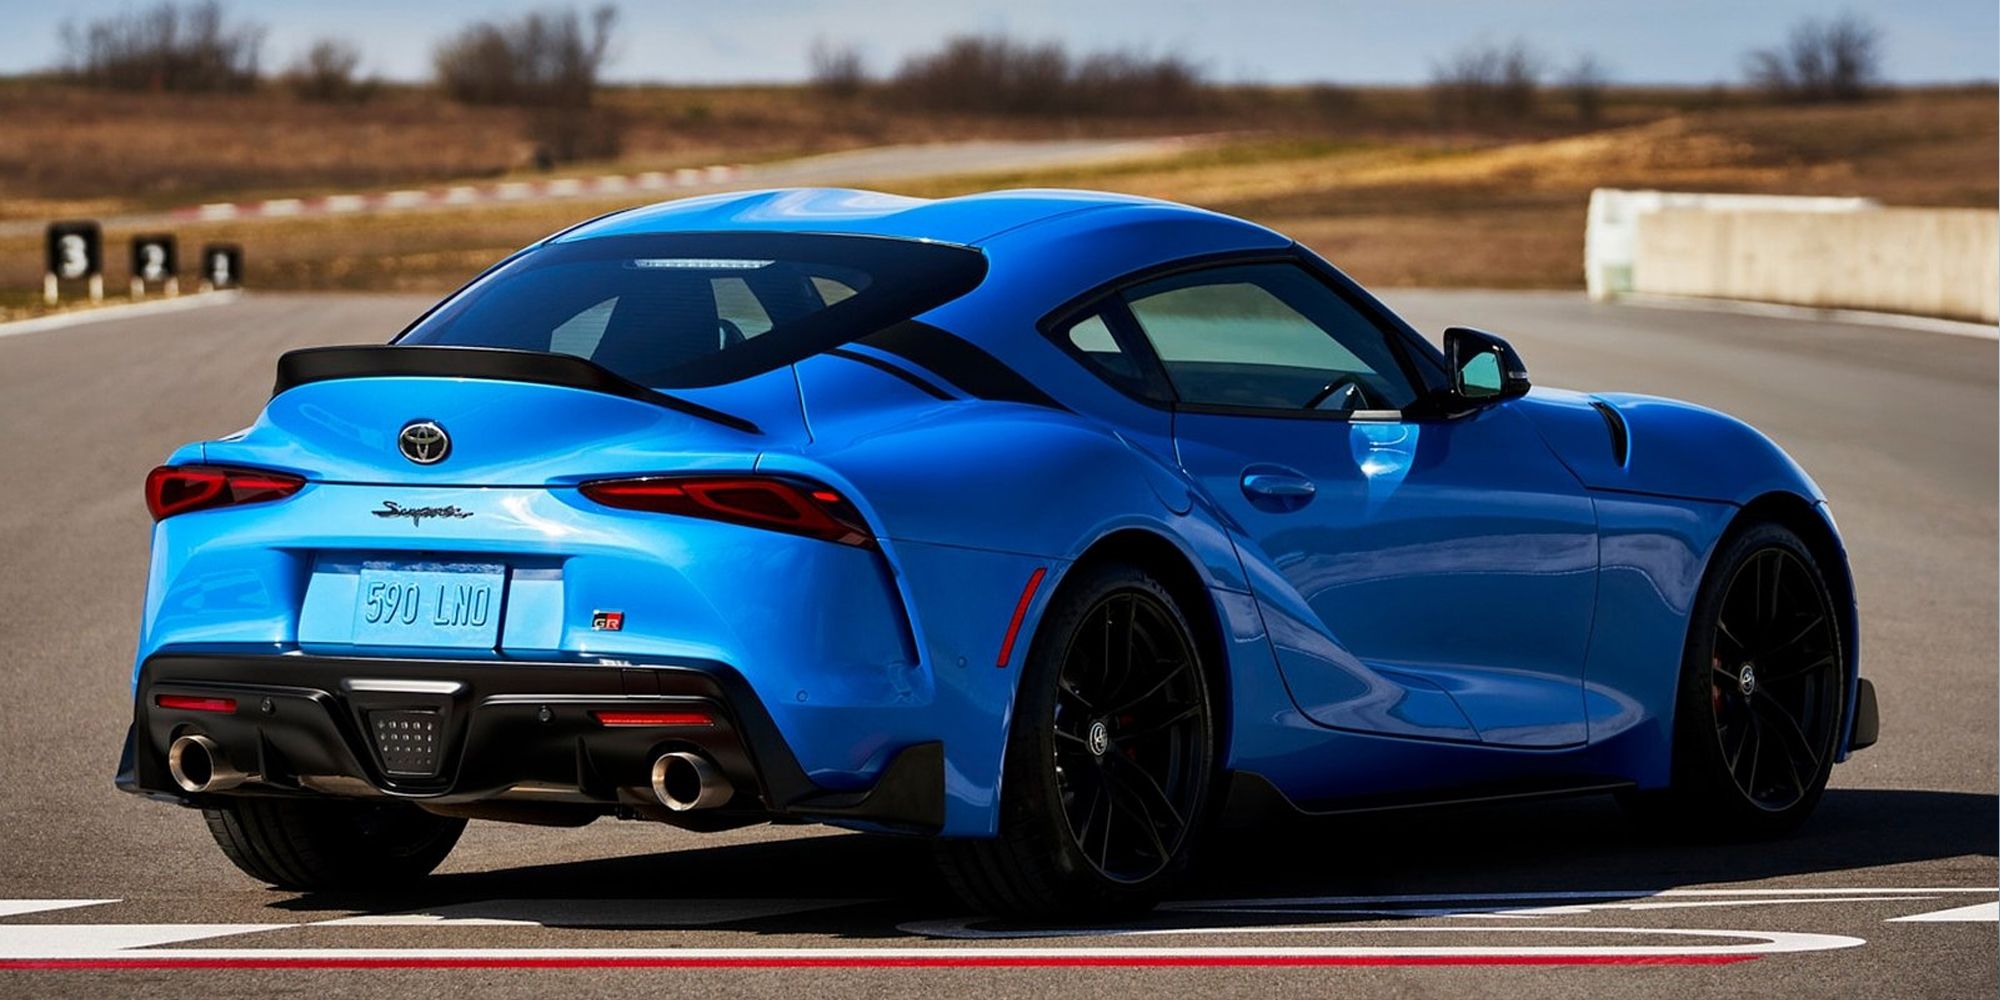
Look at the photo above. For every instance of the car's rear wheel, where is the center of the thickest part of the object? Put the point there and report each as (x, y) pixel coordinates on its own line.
(1763, 687)
(315, 845)
(1110, 762)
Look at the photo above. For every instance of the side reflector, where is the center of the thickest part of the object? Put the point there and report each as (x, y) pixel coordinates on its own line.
(190, 703)
(178, 489)
(1020, 612)
(681, 718)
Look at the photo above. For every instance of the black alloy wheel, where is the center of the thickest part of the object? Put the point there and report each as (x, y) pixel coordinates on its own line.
(1132, 732)
(1775, 679)
(1111, 758)
(1762, 695)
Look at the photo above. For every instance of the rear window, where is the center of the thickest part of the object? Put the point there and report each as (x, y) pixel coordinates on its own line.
(679, 310)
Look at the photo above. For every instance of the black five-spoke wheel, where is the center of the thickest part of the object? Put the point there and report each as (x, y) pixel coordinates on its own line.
(1775, 678)
(1131, 736)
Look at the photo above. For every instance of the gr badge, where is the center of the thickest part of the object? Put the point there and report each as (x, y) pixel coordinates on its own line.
(75, 253)
(607, 621)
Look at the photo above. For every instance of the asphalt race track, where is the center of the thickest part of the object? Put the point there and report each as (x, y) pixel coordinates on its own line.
(103, 893)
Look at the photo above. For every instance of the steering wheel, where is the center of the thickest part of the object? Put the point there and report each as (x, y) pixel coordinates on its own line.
(1353, 396)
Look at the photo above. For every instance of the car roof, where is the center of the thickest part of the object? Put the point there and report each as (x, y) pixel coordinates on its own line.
(976, 220)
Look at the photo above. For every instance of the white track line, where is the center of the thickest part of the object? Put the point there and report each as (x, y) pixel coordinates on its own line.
(20, 907)
(105, 314)
(1567, 895)
(138, 942)
(1984, 913)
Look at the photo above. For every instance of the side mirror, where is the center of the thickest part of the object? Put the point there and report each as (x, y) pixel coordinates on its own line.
(1484, 368)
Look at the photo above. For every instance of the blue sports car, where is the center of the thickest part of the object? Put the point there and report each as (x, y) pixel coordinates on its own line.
(1051, 525)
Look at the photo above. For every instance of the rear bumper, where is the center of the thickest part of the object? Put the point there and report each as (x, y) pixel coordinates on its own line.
(506, 731)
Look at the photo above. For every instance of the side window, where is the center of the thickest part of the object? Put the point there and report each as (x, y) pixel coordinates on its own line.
(1090, 339)
(1268, 336)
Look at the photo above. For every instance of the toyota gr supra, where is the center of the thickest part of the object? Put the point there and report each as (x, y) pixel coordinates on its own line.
(1051, 525)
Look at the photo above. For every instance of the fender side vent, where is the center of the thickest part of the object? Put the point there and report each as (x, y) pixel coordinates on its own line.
(1621, 443)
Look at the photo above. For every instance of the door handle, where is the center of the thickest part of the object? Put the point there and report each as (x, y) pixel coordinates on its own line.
(1278, 485)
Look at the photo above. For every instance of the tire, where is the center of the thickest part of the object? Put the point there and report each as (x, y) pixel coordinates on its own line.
(1761, 697)
(1095, 733)
(312, 845)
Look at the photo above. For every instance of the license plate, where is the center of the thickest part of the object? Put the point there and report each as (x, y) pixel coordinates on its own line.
(429, 604)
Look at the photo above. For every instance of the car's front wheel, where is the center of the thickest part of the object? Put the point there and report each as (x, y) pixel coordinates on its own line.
(315, 845)
(1762, 692)
(1110, 761)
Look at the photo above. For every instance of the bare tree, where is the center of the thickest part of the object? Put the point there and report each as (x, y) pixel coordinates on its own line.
(993, 74)
(1838, 59)
(838, 71)
(548, 61)
(1584, 83)
(548, 58)
(169, 47)
(1488, 80)
(329, 72)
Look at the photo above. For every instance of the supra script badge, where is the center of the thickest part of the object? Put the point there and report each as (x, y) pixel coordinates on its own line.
(391, 508)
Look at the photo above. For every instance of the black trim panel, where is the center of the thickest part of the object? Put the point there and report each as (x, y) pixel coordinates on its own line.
(958, 362)
(1867, 717)
(1614, 422)
(324, 364)
(883, 366)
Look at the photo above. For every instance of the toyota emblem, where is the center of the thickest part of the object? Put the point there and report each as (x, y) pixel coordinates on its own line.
(424, 442)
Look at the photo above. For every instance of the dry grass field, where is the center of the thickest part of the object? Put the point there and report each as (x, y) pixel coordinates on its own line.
(1368, 178)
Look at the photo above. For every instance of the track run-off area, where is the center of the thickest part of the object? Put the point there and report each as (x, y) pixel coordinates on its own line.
(1888, 891)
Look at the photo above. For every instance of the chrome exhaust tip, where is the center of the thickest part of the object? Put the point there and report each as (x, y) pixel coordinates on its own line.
(684, 781)
(199, 765)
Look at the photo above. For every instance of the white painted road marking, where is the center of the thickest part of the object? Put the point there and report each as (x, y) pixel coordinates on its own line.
(1522, 940)
(1976, 913)
(101, 314)
(132, 944)
(632, 913)
(18, 907)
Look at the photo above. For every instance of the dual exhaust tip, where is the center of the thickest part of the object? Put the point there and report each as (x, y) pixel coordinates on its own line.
(682, 781)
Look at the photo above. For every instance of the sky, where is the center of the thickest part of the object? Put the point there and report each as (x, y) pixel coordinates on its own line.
(1693, 42)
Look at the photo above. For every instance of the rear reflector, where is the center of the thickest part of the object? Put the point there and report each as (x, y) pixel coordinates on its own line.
(178, 489)
(683, 718)
(190, 703)
(773, 503)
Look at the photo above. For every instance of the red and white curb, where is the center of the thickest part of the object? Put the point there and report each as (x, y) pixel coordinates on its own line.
(605, 185)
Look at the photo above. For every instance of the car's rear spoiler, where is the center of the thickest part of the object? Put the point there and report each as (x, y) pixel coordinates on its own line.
(322, 364)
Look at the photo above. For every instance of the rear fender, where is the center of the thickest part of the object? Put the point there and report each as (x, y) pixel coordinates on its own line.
(970, 501)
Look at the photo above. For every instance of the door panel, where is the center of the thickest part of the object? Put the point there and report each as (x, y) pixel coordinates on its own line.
(1431, 579)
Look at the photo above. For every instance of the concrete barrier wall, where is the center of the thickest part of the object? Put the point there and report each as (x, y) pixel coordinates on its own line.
(1923, 261)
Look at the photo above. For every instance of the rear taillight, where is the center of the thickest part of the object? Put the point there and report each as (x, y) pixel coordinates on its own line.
(177, 489)
(789, 505)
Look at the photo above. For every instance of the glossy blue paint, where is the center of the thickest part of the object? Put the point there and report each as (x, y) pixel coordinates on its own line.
(1415, 606)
